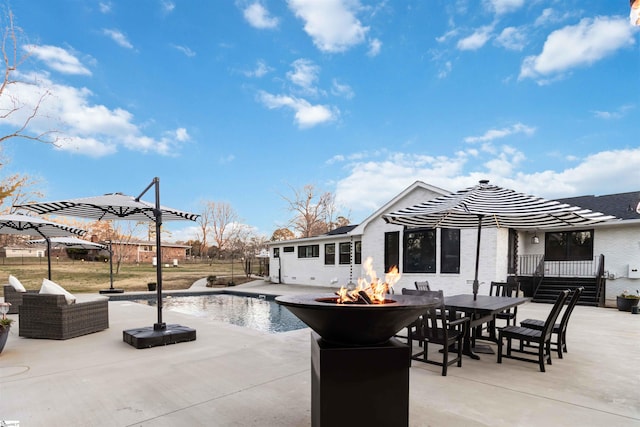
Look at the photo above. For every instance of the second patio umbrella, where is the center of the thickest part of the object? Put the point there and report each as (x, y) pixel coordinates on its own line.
(69, 242)
(486, 205)
(118, 206)
(37, 227)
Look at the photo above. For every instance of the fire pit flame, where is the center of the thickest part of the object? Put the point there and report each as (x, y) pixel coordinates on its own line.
(369, 291)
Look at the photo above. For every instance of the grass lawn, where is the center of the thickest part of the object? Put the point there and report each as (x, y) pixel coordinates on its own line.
(81, 276)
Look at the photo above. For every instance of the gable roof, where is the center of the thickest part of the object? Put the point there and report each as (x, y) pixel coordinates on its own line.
(621, 205)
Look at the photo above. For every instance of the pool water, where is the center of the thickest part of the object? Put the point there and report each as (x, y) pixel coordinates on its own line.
(256, 313)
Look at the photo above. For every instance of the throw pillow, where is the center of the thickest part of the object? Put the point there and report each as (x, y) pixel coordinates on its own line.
(51, 288)
(13, 281)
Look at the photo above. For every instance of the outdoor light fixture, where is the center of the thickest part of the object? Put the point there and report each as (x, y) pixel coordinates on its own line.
(535, 239)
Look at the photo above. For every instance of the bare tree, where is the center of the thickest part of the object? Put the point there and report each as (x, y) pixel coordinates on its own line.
(223, 223)
(314, 211)
(12, 107)
(204, 221)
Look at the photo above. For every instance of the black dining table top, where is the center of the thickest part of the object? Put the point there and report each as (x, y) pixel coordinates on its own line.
(465, 302)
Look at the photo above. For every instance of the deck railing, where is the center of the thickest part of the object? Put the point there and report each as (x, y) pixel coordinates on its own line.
(536, 265)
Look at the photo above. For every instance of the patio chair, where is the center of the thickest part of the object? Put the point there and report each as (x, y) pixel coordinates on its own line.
(14, 297)
(540, 336)
(52, 317)
(506, 289)
(559, 329)
(422, 286)
(434, 327)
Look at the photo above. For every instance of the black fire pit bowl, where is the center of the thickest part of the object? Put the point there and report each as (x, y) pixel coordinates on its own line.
(355, 324)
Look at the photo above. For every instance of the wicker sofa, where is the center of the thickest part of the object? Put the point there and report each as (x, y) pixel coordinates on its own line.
(15, 298)
(50, 317)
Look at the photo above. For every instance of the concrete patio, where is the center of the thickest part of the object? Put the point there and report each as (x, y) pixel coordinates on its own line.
(234, 376)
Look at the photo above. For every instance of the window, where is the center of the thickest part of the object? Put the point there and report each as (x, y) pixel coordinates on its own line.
(420, 251)
(568, 245)
(449, 250)
(330, 253)
(391, 250)
(288, 249)
(358, 253)
(309, 251)
(276, 252)
(345, 253)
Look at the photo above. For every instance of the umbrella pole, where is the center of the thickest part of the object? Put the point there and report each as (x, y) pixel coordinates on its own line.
(476, 284)
(158, 217)
(48, 255)
(110, 266)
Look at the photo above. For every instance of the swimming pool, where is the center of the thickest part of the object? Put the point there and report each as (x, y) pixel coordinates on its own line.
(251, 312)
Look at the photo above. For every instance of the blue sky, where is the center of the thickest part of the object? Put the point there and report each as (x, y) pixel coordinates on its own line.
(237, 101)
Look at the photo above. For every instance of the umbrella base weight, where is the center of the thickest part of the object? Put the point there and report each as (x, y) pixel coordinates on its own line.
(112, 291)
(153, 337)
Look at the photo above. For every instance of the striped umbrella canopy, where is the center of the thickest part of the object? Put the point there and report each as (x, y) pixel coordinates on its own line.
(37, 227)
(486, 205)
(114, 206)
(118, 206)
(69, 242)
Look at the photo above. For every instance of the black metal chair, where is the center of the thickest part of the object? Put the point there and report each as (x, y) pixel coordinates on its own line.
(541, 337)
(422, 286)
(559, 329)
(434, 327)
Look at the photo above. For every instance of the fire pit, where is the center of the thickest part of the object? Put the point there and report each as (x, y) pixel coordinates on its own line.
(359, 373)
(355, 324)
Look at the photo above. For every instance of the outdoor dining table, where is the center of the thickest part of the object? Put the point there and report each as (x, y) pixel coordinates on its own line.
(482, 309)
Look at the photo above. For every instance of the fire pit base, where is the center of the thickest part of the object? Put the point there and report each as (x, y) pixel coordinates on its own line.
(359, 386)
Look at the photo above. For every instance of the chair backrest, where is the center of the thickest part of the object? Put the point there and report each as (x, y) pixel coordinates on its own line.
(564, 320)
(422, 286)
(434, 318)
(547, 330)
(498, 289)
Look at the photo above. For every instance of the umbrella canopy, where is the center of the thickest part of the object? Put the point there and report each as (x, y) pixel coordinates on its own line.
(117, 206)
(37, 227)
(69, 242)
(486, 205)
(114, 206)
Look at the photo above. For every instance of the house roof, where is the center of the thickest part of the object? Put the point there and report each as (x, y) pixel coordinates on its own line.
(341, 230)
(622, 205)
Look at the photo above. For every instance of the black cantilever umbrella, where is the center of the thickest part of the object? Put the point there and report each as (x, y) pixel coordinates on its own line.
(117, 206)
(37, 227)
(486, 205)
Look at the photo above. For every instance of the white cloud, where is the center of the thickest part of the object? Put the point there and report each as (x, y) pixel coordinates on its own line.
(79, 125)
(304, 75)
(493, 134)
(476, 40)
(331, 24)
(118, 37)
(578, 45)
(306, 114)
(57, 59)
(512, 38)
(168, 6)
(105, 7)
(258, 16)
(260, 70)
(375, 46)
(343, 90)
(184, 49)
(619, 113)
(371, 183)
(500, 7)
